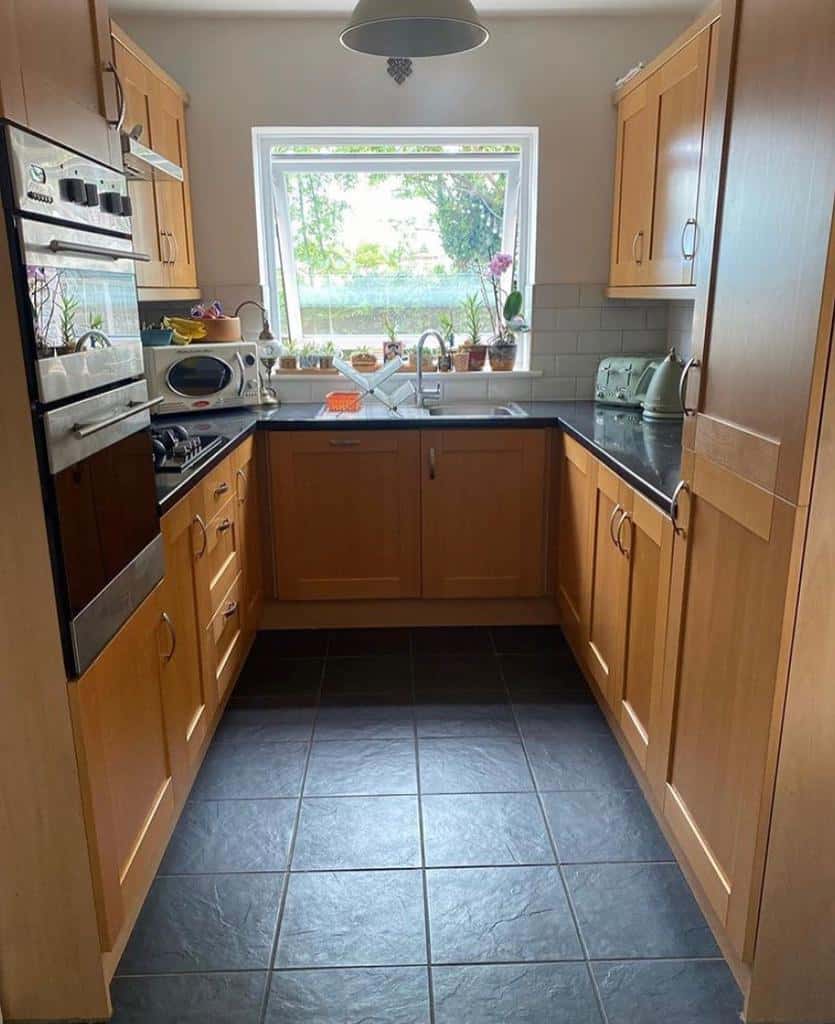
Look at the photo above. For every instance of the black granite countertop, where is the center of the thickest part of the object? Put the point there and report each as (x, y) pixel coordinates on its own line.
(646, 455)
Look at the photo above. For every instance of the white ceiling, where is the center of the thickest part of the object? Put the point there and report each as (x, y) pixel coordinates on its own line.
(324, 7)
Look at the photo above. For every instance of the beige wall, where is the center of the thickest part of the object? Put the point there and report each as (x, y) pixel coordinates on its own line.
(552, 72)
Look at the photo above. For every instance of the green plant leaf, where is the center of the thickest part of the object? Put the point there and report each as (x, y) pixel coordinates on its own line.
(513, 305)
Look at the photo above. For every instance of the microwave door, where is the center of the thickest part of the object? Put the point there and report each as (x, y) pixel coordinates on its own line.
(83, 309)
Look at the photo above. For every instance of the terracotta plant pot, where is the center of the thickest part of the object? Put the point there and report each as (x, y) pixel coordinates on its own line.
(502, 358)
(225, 328)
(364, 363)
(478, 357)
(325, 362)
(461, 360)
(287, 362)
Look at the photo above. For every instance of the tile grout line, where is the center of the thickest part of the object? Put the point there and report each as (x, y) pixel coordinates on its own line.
(555, 847)
(262, 1017)
(423, 876)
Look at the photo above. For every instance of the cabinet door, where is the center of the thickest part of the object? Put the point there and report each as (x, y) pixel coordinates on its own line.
(188, 700)
(138, 84)
(607, 582)
(52, 56)
(249, 518)
(633, 189)
(173, 197)
(125, 766)
(722, 683)
(677, 100)
(346, 509)
(576, 466)
(483, 500)
(646, 537)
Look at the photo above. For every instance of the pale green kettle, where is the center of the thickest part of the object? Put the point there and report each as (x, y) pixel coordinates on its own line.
(662, 401)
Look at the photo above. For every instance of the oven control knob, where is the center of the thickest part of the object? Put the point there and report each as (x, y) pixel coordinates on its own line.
(73, 190)
(111, 202)
(179, 431)
(127, 206)
(249, 360)
(91, 194)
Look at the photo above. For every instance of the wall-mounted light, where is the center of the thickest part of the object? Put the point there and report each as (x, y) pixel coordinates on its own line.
(413, 28)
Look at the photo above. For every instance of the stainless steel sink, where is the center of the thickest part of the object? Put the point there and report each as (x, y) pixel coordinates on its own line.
(477, 410)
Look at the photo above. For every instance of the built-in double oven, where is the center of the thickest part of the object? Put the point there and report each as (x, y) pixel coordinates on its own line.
(68, 227)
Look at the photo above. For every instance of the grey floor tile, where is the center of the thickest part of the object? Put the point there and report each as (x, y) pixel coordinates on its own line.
(604, 826)
(578, 759)
(230, 836)
(359, 642)
(517, 993)
(385, 678)
(686, 992)
(360, 721)
(265, 724)
(500, 914)
(234, 998)
(485, 829)
(473, 766)
(452, 640)
(271, 644)
(353, 918)
(204, 923)
(362, 768)
(462, 718)
(535, 676)
(530, 640)
(630, 911)
(235, 771)
(296, 682)
(357, 995)
(552, 718)
(336, 833)
(448, 677)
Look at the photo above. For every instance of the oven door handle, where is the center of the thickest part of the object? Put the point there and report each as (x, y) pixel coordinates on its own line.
(56, 245)
(82, 430)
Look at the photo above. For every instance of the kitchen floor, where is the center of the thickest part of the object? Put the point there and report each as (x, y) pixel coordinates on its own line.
(414, 826)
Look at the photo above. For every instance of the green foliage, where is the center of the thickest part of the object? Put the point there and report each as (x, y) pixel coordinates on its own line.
(473, 317)
(513, 305)
(390, 327)
(68, 309)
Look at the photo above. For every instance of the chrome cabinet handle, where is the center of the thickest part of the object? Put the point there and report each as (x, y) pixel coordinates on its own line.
(199, 520)
(164, 250)
(166, 618)
(625, 518)
(119, 123)
(691, 254)
(612, 517)
(230, 609)
(221, 489)
(639, 236)
(79, 249)
(682, 385)
(176, 255)
(82, 430)
(343, 443)
(433, 468)
(224, 525)
(240, 475)
(681, 488)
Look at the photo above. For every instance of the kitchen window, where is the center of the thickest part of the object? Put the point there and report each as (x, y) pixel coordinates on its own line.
(364, 232)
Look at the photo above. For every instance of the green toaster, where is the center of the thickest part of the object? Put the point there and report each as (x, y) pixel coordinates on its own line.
(623, 380)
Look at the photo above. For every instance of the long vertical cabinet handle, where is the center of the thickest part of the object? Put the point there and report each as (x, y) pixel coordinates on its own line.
(612, 518)
(625, 518)
(205, 532)
(240, 475)
(122, 108)
(683, 487)
(639, 237)
(176, 257)
(682, 386)
(166, 618)
(433, 469)
(688, 254)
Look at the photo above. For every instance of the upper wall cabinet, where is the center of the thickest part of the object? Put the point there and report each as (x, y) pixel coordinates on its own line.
(662, 116)
(53, 78)
(161, 209)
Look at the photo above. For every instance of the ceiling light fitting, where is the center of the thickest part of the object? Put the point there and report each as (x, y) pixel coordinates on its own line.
(413, 28)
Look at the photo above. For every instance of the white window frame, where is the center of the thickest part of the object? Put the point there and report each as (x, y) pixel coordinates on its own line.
(272, 208)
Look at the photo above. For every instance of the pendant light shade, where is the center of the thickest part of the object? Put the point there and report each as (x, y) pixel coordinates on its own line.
(413, 28)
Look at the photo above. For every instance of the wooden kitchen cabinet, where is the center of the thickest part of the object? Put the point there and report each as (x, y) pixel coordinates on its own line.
(188, 701)
(483, 500)
(53, 78)
(162, 220)
(247, 495)
(576, 476)
(659, 166)
(125, 765)
(346, 514)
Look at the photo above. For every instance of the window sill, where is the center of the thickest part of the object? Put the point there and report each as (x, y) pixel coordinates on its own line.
(432, 375)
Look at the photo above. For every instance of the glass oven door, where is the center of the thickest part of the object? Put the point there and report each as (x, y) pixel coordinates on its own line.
(83, 307)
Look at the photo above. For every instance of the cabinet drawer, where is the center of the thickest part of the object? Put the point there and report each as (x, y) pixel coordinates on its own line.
(222, 552)
(226, 638)
(218, 487)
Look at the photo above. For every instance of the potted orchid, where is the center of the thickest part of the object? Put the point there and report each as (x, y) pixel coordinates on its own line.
(505, 310)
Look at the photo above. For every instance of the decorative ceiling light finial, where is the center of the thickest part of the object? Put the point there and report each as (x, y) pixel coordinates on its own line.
(413, 28)
(400, 68)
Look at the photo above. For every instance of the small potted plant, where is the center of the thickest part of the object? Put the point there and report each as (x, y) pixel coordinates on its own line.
(476, 352)
(392, 348)
(364, 360)
(326, 356)
(288, 360)
(448, 332)
(505, 313)
(308, 357)
(427, 360)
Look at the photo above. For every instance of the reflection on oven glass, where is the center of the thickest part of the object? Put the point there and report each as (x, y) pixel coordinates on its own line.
(66, 304)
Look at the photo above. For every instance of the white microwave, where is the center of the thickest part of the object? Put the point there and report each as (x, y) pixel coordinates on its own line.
(194, 378)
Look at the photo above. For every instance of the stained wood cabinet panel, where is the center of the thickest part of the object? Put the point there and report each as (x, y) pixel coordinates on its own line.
(188, 700)
(227, 639)
(346, 514)
(722, 682)
(633, 189)
(249, 517)
(52, 77)
(576, 479)
(125, 765)
(483, 499)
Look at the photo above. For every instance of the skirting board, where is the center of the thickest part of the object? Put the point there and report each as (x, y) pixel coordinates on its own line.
(534, 611)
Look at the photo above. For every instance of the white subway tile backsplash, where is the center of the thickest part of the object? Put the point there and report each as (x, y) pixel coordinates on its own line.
(544, 363)
(553, 342)
(577, 366)
(465, 387)
(623, 319)
(593, 295)
(505, 389)
(585, 388)
(544, 319)
(601, 342)
(293, 390)
(556, 296)
(644, 341)
(578, 319)
(551, 389)
(657, 317)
